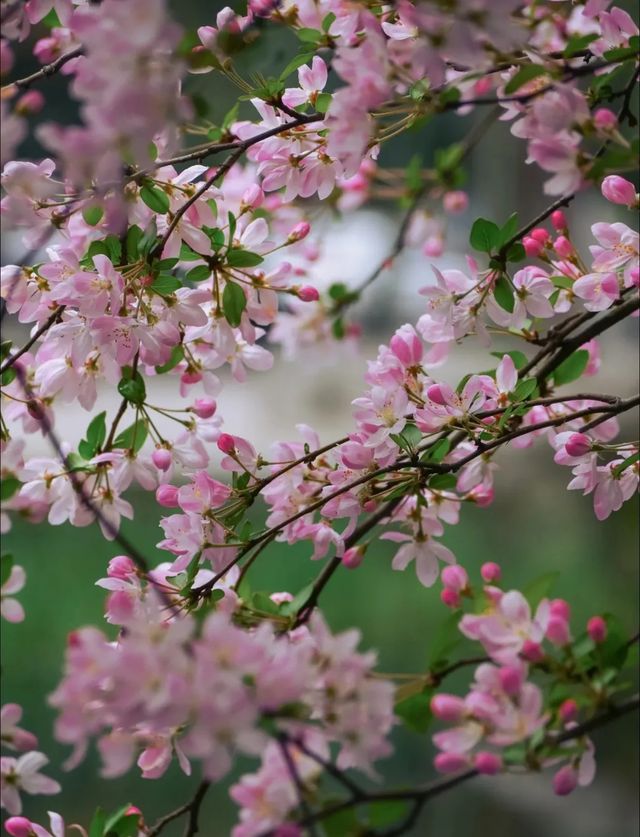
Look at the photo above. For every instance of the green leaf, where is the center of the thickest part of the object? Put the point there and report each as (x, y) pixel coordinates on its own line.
(509, 229)
(6, 565)
(524, 389)
(8, 376)
(447, 159)
(133, 438)
(323, 100)
(562, 282)
(165, 284)
(571, 368)
(122, 824)
(341, 824)
(437, 452)
(443, 482)
(540, 588)
(216, 237)
(149, 239)
(386, 812)
(165, 264)
(243, 258)
(132, 241)
(415, 711)
(408, 439)
(289, 608)
(8, 487)
(92, 215)
(327, 21)
(298, 61)
(96, 434)
(524, 75)
(309, 36)
(233, 303)
(177, 354)
(503, 293)
(5, 348)
(263, 603)
(519, 358)
(155, 198)
(132, 386)
(516, 253)
(446, 639)
(485, 236)
(187, 254)
(577, 43)
(338, 329)
(98, 821)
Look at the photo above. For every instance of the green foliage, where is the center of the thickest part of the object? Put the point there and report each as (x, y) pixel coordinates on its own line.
(132, 386)
(233, 303)
(96, 434)
(572, 368)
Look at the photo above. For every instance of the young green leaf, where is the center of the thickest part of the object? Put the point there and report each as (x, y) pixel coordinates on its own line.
(571, 368)
(485, 236)
(233, 303)
(155, 198)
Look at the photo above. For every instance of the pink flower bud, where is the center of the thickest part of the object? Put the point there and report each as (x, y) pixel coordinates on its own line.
(433, 246)
(6, 57)
(605, 119)
(30, 103)
(559, 220)
(511, 678)
(532, 248)
(558, 631)
(540, 234)
(455, 578)
(561, 608)
(252, 197)
(121, 567)
(482, 495)
(162, 459)
(597, 629)
(565, 781)
(449, 762)
(133, 810)
(532, 651)
(563, 246)
(578, 444)
(226, 443)
(263, 8)
(191, 377)
(300, 231)
(490, 572)
(167, 496)
(450, 598)
(19, 827)
(435, 394)
(23, 740)
(352, 558)
(487, 763)
(307, 293)
(407, 346)
(618, 190)
(568, 710)
(204, 408)
(455, 202)
(634, 276)
(450, 708)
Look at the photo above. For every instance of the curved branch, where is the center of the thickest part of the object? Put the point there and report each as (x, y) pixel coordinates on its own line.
(46, 71)
(420, 796)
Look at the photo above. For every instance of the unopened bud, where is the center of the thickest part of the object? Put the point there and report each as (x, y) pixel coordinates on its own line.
(487, 763)
(162, 459)
(307, 293)
(568, 710)
(597, 629)
(204, 408)
(300, 231)
(490, 572)
(455, 578)
(559, 220)
(226, 443)
(167, 496)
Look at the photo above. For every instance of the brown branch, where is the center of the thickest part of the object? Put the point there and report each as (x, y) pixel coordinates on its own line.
(420, 796)
(187, 808)
(54, 318)
(46, 71)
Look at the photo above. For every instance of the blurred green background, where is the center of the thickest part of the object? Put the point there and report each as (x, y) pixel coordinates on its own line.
(534, 527)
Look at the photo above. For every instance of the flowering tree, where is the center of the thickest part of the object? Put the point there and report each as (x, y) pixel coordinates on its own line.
(160, 243)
